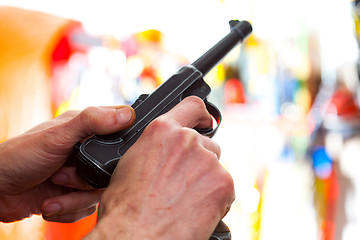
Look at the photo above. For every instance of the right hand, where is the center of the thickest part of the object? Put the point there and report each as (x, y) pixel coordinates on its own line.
(169, 184)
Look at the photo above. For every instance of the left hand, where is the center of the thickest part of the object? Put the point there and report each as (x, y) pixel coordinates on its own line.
(33, 178)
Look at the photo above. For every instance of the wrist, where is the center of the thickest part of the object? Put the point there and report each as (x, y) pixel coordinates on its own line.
(115, 226)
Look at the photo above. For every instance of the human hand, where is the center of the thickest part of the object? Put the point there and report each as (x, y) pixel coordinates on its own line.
(169, 184)
(33, 178)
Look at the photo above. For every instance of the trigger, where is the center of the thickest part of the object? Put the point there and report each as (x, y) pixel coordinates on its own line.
(216, 114)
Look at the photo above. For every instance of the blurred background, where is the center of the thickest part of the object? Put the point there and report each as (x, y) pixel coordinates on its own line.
(289, 96)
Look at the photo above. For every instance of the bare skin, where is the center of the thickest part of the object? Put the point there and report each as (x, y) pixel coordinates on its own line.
(168, 185)
(33, 178)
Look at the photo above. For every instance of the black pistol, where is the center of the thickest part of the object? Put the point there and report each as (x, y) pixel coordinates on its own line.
(97, 156)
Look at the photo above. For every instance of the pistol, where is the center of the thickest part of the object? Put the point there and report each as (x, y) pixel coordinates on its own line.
(97, 156)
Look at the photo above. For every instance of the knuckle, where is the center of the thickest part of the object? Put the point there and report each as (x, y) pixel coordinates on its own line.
(226, 184)
(187, 139)
(54, 140)
(217, 150)
(89, 119)
(88, 114)
(67, 115)
(159, 125)
(198, 109)
(196, 102)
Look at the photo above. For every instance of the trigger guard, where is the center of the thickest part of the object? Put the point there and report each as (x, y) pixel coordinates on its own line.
(215, 112)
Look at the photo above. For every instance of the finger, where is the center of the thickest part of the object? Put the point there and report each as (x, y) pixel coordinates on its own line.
(191, 112)
(73, 217)
(99, 120)
(70, 203)
(68, 177)
(66, 116)
(211, 146)
(227, 191)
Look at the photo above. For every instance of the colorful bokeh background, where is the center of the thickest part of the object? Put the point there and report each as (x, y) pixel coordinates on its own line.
(289, 96)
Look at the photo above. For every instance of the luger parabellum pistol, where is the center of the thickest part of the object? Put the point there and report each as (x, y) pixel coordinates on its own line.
(97, 156)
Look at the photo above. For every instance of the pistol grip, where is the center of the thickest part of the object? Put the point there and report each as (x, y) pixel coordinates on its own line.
(221, 232)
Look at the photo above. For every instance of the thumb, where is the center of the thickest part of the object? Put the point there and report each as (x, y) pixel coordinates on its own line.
(99, 120)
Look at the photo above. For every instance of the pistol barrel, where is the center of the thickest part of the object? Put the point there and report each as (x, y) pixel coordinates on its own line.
(239, 31)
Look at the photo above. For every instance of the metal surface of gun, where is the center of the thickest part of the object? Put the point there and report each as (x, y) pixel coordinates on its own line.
(97, 156)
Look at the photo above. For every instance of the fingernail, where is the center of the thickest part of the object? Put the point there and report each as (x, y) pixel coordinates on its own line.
(60, 178)
(51, 208)
(123, 115)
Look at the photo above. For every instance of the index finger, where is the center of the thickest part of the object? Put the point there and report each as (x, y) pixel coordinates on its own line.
(191, 112)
